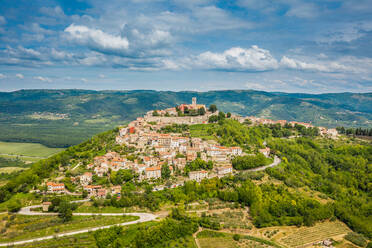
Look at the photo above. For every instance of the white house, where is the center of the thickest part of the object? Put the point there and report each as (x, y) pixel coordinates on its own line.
(153, 172)
(224, 170)
(86, 178)
(198, 175)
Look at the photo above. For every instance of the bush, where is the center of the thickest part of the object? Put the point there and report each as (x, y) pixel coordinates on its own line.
(356, 238)
(14, 206)
(236, 237)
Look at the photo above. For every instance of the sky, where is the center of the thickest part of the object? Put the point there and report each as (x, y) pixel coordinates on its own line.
(316, 46)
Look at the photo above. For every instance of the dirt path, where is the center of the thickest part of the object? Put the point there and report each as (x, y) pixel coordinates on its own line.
(143, 217)
(195, 238)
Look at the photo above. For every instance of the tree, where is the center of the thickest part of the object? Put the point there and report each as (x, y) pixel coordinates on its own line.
(165, 171)
(228, 115)
(236, 237)
(65, 211)
(213, 119)
(155, 113)
(221, 115)
(212, 108)
(201, 111)
(14, 206)
(84, 194)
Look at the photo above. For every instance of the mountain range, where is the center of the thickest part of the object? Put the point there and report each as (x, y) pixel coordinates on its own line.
(60, 118)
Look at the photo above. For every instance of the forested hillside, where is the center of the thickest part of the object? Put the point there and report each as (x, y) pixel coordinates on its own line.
(318, 179)
(60, 118)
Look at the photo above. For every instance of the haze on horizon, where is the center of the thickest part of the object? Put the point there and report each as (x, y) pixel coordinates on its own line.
(283, 45)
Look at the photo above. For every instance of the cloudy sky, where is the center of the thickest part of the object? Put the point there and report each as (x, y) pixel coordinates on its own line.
(273, 45)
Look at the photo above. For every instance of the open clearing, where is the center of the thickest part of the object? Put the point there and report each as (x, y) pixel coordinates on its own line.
(26, 150)
(308, 235)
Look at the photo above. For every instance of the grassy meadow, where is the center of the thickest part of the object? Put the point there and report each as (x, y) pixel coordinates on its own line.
(27, 149)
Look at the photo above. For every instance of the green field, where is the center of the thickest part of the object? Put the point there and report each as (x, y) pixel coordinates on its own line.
(320, 231)
(25, 227)
(213, 239)
(26, 151)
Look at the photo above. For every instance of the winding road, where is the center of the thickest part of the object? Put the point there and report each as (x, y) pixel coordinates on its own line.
(276, 161)
(143, 217)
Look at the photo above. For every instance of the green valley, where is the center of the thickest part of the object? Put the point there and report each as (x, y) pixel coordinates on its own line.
(60, 118)
(211, 179)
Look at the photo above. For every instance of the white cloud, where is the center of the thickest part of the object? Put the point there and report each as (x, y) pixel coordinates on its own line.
(101, 76)
(327, 66)
(237, 59)
(345, 32)
(2, 76)
(20, 76)
(302, 10)
(43, 79)
(296, 8)
(2, 20)
(97, 39)
(84, 80)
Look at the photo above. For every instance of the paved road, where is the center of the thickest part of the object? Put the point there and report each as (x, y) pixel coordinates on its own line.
(143, 217)
(277, 161)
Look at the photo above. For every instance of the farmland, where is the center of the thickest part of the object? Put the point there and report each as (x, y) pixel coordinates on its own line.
(26, 151)
(18, 227)
(212, 239)
(85, 240)
(308, 235)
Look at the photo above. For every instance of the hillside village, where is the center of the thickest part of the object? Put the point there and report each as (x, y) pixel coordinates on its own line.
(157, 153)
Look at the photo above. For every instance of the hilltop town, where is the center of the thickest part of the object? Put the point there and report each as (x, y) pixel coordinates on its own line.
(158, 153)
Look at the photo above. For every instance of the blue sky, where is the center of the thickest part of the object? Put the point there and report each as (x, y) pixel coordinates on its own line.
(272, 45)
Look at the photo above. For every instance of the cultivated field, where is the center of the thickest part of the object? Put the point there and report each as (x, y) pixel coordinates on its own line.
(26, 151)
(212, 239)
(10, 169)
(85, 240)
(308, 235)
(19, 227)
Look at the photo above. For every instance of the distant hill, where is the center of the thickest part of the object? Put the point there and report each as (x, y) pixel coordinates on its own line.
(61, 118)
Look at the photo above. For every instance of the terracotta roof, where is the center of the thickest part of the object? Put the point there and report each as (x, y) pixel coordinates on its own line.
(153, 168)
(55, 184)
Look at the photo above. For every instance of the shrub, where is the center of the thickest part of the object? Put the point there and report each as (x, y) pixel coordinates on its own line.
(236, 237)
(14, 206)
(356, 238)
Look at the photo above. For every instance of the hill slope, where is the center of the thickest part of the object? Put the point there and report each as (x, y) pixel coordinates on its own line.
(60, 118)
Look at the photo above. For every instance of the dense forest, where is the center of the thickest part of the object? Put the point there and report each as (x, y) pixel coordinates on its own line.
(61, 118)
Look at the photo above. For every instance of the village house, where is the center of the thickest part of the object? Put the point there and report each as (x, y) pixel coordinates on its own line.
(101, 171)
(198, 175)
(86, 178)
(153, 172)
(224, 170)
(100, 193)
(46, 206)
(92, 189)
(265, 151)
(236, 151)
(191, 156)
(180, 163)
(99, 160)
(116, 190)
(56, 187)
